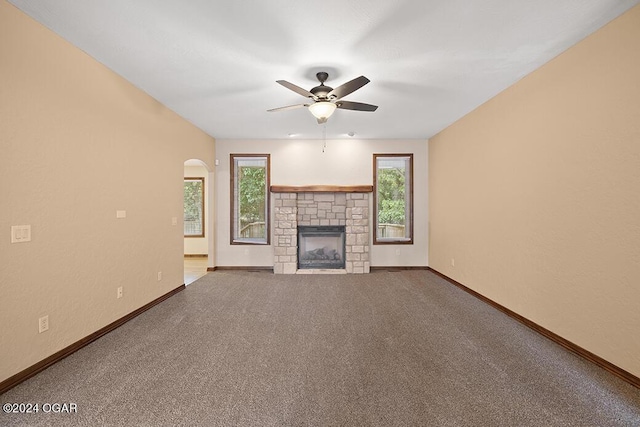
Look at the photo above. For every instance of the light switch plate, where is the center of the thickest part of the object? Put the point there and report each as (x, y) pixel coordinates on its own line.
(20, 233)
(121, 214)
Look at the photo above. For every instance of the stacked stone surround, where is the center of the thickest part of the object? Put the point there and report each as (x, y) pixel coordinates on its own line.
(293, 209)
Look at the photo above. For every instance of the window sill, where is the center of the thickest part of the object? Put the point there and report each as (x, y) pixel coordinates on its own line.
(249, 242)
(393, 241)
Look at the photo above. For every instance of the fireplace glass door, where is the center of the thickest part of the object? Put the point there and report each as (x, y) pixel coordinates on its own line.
(321, 247)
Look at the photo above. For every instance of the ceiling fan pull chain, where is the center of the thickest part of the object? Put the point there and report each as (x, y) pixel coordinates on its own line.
(324, 136)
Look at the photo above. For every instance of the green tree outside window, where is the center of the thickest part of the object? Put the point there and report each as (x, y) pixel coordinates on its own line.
(250, 199)
(393, 198)
(194, 207)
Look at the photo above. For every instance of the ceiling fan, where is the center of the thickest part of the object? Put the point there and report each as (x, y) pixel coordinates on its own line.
(326, 99)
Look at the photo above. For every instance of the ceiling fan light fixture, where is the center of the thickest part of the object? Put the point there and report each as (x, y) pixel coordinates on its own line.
(322, 109)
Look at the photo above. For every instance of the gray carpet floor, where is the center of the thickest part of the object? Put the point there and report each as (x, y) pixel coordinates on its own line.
(383, 349)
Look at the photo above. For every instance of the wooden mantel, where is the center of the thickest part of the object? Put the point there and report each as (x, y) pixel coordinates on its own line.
(321, 188)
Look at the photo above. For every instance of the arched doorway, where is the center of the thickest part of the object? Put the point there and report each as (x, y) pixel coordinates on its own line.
(197, 221)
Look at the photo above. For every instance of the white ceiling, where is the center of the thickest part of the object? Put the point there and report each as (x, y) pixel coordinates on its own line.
(216, 62)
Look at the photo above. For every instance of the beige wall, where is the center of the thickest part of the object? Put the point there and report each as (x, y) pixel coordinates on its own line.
(302, 162)
(536, 194)
(77, 143)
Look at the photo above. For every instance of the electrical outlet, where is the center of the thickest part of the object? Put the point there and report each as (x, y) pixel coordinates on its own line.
(398, 251)
(43, 324)
(119, 292)
(453, 262)
(159, 275)
(174, 220)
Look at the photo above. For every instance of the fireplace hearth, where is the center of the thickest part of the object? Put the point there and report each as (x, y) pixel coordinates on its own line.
(321, 247)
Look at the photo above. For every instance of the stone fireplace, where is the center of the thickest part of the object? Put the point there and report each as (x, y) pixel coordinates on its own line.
(317, 210)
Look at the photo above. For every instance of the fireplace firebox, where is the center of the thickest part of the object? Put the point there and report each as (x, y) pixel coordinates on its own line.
(321, 247)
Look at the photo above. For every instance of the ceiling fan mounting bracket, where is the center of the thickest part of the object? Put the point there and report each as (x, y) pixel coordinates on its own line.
(322, 77)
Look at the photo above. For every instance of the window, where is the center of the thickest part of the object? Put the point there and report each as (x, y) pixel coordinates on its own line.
(194, 207)
(393, 198)
(250, 198)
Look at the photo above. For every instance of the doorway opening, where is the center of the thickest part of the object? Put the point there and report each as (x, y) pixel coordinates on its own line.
(197, 224)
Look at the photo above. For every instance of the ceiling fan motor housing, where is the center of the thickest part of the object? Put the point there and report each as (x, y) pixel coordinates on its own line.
(321, 91)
